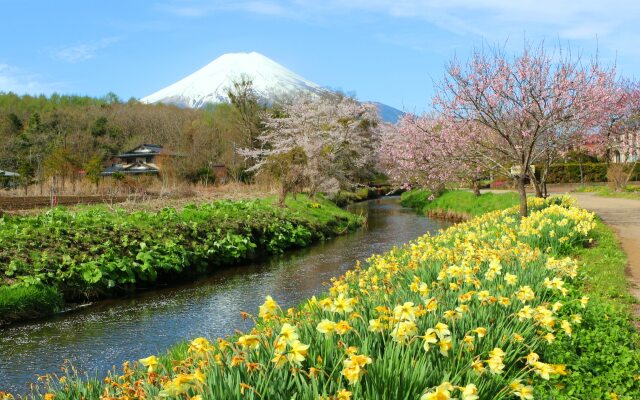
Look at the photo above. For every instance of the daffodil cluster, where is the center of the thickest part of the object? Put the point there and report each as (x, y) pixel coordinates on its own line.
(463, 314)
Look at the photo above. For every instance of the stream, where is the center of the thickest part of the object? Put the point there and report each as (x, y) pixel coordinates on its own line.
(96, 337)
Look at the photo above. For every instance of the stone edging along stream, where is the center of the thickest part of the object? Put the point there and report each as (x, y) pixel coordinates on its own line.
(449, 215)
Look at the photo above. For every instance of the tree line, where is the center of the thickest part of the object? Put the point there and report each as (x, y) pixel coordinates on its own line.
(61, 139)
(314, 143)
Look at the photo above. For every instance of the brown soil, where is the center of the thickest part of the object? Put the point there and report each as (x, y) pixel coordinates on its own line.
(33, 205)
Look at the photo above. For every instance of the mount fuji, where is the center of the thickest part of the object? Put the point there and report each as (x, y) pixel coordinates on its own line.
(271, 81)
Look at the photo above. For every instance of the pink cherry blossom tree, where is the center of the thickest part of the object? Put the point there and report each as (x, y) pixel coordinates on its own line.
(324, 144)
(424, 151)
(618, 139)
(620, 123)
(527, 104)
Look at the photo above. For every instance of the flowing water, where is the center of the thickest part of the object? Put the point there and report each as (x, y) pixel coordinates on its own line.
(96, 337)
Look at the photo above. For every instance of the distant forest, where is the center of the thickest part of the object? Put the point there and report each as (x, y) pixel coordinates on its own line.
(64, 136)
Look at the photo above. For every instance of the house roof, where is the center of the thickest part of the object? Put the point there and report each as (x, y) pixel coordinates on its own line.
(8, 173)
(144, 150)
(133, 168)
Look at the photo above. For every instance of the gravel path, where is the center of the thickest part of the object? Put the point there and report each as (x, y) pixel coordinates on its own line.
(623, 215)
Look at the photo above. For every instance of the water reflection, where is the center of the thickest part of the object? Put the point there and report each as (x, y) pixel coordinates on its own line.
(97, 337)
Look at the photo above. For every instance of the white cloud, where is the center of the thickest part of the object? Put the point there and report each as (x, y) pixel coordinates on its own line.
(13, 79)
(203, 8)
(83, 51)
(566, 19)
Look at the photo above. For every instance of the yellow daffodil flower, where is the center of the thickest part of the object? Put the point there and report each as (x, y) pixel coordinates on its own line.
(150, 362)
(325, 326)
(469, 392)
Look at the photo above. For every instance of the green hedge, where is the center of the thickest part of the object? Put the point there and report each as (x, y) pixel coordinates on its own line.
(570, 172)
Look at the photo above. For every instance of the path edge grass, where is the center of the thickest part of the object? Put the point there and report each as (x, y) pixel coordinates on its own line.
(605, 361)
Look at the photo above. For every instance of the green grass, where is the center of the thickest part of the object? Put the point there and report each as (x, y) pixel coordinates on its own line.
(18, 302)
(415, 199)
(459, 202)
(604, 359)
(630, 191)
(95, 252)
(604, 265)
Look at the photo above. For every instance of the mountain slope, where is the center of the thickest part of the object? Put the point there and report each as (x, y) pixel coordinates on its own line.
(210, 83)
(271, 81)
(388, 113)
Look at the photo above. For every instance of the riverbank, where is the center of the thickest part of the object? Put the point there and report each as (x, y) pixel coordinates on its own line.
(416, 323)
(62, 257)
(457, 205)
(108, 332)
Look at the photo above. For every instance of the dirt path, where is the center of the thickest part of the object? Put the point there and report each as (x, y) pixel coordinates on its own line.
(623, 215)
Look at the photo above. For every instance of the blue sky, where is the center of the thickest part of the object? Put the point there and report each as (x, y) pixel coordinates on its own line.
(387, 51)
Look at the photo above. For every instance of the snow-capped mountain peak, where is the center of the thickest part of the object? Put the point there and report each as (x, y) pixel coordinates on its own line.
(271, 81)
(210, 83)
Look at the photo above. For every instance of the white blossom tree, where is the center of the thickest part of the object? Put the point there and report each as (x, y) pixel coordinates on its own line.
(324, 144)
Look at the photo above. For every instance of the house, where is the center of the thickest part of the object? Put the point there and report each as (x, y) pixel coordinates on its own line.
(627, 148)
(144, 159)
(8, 179)
(220, 172)
(8, 174)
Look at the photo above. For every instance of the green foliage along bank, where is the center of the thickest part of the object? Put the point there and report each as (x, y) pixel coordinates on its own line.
(95, 252)
(457, 204)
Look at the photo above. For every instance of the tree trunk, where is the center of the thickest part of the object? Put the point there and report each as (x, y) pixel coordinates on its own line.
(284, 190)
(543, 179)
(581, 170)
(523, 195)
(537, 186)
(630, 174)
(475, 186)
